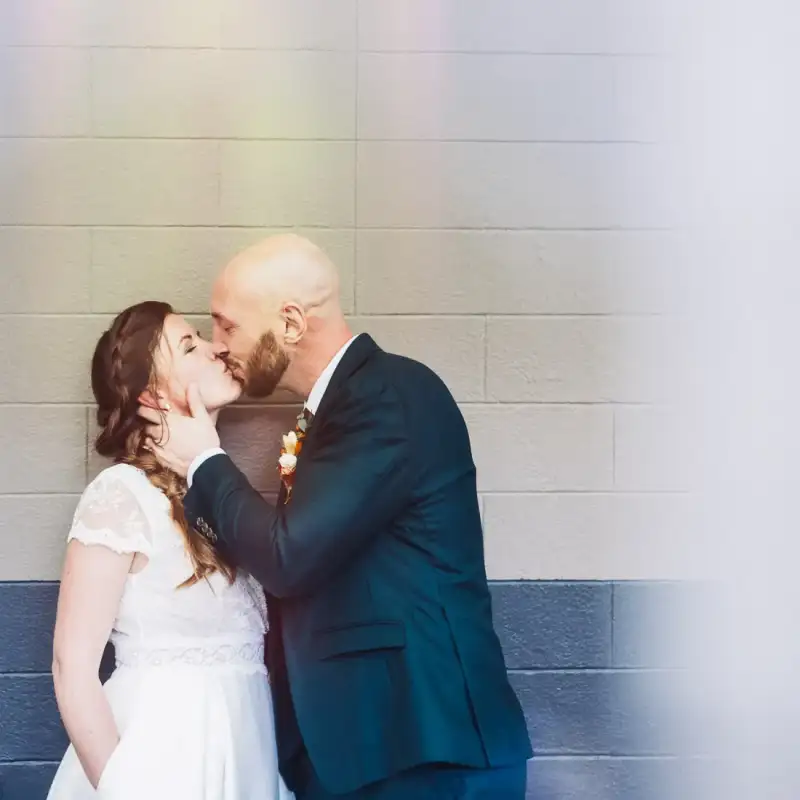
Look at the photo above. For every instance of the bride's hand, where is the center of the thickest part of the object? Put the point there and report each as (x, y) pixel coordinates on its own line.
(176, 440)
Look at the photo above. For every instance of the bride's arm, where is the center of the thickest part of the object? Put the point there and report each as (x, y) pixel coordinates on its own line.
(92, 583)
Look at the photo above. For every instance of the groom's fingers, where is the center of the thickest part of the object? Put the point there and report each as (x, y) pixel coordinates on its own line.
(157, 435)
(151, 414)
(164, 457)
(156, 448)
(195, 402)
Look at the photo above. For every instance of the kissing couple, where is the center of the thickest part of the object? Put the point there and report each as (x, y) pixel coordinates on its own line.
(383, 677)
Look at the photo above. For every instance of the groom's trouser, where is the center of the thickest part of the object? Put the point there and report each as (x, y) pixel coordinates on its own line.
(431, 782)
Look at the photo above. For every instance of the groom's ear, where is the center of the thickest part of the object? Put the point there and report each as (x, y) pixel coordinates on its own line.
(295, 323)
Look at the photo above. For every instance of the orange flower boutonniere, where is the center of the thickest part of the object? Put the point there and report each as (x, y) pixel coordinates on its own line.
(287, 463)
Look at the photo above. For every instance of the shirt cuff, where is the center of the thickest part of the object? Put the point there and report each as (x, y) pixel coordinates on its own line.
(201, 459)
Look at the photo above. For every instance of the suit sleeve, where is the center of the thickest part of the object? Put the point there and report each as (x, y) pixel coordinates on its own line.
(351, 486)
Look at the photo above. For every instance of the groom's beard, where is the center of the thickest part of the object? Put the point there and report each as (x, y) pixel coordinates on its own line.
(265, 367)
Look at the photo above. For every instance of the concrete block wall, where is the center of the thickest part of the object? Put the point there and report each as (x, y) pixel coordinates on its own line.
(485, 174)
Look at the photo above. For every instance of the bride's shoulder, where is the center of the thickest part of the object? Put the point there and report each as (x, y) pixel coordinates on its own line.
(121, 471)
(126, 478)
(115, 510)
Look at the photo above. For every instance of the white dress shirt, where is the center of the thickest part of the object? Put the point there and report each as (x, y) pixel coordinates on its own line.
(312, 404)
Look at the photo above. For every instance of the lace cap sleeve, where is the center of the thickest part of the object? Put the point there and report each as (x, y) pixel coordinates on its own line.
(110, 514)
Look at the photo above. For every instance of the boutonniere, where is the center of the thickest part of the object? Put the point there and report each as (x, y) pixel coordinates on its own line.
(287, 463)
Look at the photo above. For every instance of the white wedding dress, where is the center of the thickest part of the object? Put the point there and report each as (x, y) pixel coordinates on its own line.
(190, 693)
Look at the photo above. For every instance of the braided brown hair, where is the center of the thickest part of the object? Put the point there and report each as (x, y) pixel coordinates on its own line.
(123, 367)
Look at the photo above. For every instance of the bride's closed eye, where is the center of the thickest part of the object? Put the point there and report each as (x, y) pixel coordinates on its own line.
(191, 346)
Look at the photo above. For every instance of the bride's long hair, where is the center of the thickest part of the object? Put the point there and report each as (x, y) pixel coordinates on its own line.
(123, 367)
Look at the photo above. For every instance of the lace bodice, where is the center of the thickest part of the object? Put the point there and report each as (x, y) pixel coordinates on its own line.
(210, 623)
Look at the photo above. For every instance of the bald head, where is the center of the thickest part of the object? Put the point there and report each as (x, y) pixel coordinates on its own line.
(284, 269)
(277, 314)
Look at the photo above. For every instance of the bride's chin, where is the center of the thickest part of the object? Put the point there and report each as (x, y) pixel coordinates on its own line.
(235, 395)
(223, 400)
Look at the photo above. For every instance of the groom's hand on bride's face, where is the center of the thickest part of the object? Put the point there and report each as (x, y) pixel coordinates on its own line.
(176, 440)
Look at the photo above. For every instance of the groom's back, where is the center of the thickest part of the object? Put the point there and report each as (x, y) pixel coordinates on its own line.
(442, 525)
(398, 650)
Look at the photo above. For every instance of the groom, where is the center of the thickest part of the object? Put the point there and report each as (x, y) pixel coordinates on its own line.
(388, 679)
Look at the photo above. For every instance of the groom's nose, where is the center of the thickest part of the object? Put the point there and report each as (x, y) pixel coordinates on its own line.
(220, 350)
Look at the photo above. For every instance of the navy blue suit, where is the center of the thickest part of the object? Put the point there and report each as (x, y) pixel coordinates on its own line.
(387, 675)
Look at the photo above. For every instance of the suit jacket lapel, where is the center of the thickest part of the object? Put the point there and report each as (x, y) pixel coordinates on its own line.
(354, 358)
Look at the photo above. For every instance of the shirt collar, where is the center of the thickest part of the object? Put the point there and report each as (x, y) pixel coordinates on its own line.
(321, 384)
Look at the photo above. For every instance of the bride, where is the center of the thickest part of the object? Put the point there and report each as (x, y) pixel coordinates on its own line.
(188, 712)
